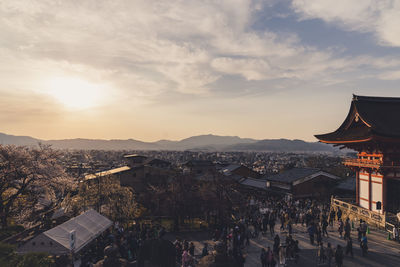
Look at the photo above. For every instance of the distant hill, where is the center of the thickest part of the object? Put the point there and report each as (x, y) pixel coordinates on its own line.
(283, 145)
(205, 141)
(201, 142)
(6, 139)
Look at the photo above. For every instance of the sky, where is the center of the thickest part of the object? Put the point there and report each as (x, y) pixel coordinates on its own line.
(152, 70)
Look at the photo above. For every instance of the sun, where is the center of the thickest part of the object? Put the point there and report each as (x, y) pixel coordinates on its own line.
(76, 93)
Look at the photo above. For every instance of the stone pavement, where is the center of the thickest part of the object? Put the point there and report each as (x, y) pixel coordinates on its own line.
(382, 252)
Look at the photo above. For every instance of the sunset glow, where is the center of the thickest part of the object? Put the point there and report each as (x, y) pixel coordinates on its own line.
(75, 93)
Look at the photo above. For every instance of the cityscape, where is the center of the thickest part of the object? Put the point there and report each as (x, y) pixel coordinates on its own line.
(237, 133)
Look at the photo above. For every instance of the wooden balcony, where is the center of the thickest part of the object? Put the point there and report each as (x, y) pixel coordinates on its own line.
(372, 163)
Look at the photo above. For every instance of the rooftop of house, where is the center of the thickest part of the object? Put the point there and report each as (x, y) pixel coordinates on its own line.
(292, 175)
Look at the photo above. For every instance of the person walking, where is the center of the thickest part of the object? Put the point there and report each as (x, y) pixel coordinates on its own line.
(325, 227)
(186, 259)
(191, 249)
(349, 247)
(282, 255)
(395, 233)
(341, 226)
(272, 224)
(311, 232)
(347, 229)
(364, 245)
(263, 258)
(321, 253)
(329, 254)
(277, 242)
(332, 217)
(339, 256)
(270, 258)
(204, 252)
(339, 214)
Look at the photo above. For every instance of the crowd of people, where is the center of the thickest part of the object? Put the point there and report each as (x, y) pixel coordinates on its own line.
(273, 218)
(262, 214)
(119, 245)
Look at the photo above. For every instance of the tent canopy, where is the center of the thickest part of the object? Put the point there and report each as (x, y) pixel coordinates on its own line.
(87, 227)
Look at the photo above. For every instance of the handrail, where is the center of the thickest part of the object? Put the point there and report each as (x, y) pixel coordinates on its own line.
(372, 216)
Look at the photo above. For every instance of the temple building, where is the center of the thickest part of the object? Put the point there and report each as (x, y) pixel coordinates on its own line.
(372, 128)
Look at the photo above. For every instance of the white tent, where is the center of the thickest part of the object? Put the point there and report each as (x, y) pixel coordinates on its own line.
(87, 227)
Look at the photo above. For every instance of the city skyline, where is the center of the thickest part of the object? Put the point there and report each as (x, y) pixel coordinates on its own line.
(152, 70)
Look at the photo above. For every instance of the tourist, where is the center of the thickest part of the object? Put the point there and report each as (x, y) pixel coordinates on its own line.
(329, 254)
(332, 217)
(282, 255)
(339, 256)
(311, 232)
(364, 245)
(396, 233)
(349, 247)
(347, 229)
(270, 258)
(272, 224)
(321, 253)
(340, 229)
(324, 227)
(359, 233)
(263, 258)
(339, 214)
(204, 252)
(191, 249)
(277, 242)
(186, 259)
(363, 227)
(319, 235)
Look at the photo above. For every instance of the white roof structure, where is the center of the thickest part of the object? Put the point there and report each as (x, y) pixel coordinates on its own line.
(87, 227)
(106, 173)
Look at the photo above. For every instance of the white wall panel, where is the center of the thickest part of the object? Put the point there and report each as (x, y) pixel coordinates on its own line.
(364, 191)
(364, 204)
(376, 179)
(376, 194)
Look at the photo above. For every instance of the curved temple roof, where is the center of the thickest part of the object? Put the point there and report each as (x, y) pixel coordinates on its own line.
(369, 118)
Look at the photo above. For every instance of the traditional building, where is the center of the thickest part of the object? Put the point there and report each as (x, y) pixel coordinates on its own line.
(302, 182)
(139, 172)
(372, 128)
(236, 170)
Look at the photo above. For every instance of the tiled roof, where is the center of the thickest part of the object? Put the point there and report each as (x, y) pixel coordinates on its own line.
(292, 175)
(368, 117)
(257, 183)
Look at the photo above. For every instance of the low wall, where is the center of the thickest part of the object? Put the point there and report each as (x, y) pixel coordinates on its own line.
(356, 213)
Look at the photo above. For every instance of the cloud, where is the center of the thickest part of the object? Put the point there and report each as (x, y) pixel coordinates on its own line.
(144, 49)
(379, 17)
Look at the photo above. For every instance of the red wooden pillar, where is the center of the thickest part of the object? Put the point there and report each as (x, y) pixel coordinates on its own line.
(384, 187)
(358, 187)
(370, 190)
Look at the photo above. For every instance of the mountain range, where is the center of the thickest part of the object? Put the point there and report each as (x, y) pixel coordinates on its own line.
(201, 142)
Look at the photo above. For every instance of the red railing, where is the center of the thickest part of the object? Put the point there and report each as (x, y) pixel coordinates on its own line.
(375, 163)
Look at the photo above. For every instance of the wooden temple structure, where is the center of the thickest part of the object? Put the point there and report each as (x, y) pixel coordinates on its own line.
(372, 128)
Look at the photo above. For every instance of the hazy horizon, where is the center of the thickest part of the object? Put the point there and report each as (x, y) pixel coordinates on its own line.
(153, 70)
(196, 135)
